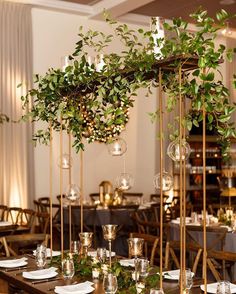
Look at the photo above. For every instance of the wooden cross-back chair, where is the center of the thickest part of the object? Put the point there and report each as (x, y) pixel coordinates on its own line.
(3, 212)
(215, 241)
(172, 252)
(133, 196)
(150, 246)
(27, 220)
(13, 215)
(13, 242)
(42, 222)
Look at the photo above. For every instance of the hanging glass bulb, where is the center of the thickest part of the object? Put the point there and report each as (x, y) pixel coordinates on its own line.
(73, 192)
(167, 181)
(65, 162)
(124, 182)
(65, 61)
(158, 35)
(174, 149)
(227, 31)
(117, 147)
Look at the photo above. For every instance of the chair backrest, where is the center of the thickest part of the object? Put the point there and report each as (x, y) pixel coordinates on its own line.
(28, 219)
(14, 215)
(150, 245)
(134, 196)
(172, 252)
(94, 196)
(13, 241)
(3, 212)
(215, 236)
(43, 220)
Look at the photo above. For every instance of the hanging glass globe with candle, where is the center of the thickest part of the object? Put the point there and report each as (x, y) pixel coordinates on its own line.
(73, 192)
(117, 147)
(65, 161)
(124, 182)
(167, 181)
(174, 149)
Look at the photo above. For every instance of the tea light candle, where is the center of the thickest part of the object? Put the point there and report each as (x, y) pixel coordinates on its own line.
(95, 273)
(104, 268)
(140, 287)
(133, 275)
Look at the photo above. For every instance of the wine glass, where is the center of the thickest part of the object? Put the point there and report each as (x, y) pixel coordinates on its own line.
(67, 266)
(110, 283)
(223, 287)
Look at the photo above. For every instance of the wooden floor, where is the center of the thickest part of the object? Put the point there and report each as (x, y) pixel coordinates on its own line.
(3, 287)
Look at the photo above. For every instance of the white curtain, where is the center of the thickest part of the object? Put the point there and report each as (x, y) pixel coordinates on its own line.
(16, 149)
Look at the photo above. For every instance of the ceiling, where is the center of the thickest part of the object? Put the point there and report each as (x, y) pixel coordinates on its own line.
(138, 11)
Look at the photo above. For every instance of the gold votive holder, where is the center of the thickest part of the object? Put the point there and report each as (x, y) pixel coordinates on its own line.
(109, 232)
(86, 241)
(135, 246)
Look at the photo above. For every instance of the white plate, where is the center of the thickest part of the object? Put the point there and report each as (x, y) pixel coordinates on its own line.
(81, 288)
(173, 275)
(41, 274)
(54, 253)
(94, 253)
(211, 288)
(5, 223)
(11, 263)
(127, 262)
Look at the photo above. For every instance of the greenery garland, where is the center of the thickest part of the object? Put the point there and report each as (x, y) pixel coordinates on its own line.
(84, 266)
(94, 104)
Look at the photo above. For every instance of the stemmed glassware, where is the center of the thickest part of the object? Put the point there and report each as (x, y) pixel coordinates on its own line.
(109, 234)
(110, 283)
(86, 241)
(136, 250)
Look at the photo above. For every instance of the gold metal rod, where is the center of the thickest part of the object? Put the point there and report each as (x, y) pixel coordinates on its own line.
(70, 234)
(50, 187)
(184, 194)
(82, 191)
(181, 183)
(61, 188)
(161, 174)
(204, 198)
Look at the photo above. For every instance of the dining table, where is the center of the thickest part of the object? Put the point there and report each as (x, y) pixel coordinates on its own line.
(14, 279)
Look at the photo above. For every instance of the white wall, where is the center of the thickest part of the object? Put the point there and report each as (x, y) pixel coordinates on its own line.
(54, 36)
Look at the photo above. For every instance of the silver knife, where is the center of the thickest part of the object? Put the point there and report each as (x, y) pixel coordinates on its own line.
(46, 280)
(15, 269)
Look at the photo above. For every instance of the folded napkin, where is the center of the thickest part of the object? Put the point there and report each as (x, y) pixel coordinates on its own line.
(54, 253)
(94, 253)
(11, 263)
(81, 288)
(41, 274)
(211, 288)
(5, 223)
(127, 262)
(173, 275)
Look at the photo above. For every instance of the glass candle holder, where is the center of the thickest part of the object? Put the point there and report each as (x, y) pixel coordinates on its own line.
(86, 241)
(67, 266)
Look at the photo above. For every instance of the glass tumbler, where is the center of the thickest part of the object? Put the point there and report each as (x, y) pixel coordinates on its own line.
(101, 254)
(223, 287)
(41, 258)
(68, 269)
(142, 267)
(110, 283)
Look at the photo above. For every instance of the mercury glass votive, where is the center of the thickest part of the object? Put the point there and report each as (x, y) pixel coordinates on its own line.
(135, 249)
(86, 241)
(109, 234)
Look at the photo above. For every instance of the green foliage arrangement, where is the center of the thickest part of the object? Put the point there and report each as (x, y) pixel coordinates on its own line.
(83, 270)
(95, 104)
